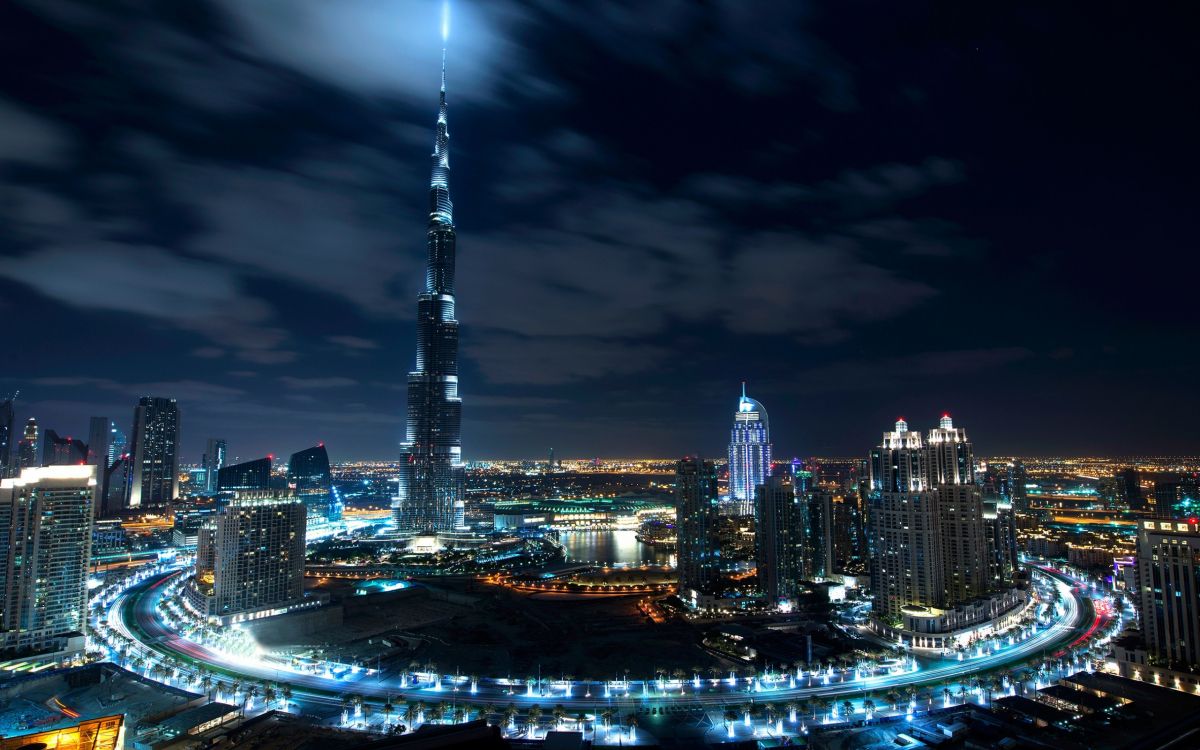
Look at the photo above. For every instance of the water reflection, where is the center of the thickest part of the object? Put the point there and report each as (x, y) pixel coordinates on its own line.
(614, 547)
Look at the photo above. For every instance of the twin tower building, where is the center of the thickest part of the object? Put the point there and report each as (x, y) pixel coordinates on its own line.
(943, 557)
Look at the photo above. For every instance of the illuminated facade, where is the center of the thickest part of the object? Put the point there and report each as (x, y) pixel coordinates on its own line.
(154, 452)
(248, 475)
(105, 733)
(45, 547)
(1168, 563)
(27, 448)
(250, 560)
(213, 461)
(749, 452)
(431, 470)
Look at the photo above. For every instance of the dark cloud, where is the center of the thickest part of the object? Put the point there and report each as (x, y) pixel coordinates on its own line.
(655, 201)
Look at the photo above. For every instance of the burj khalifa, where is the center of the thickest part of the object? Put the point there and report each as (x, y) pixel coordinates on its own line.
(431, 470)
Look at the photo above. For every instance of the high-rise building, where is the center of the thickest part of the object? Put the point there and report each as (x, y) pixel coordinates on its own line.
(212, 462)
(819, 534)
(62, 451)
(28, 455)
(749, 452)
(1001, 527)
(102, 432)
(117, 478)
(8, 435)
(781, 536)
(248, 475)
(697, 527)
(1132, 480)
(905, 536)
(898, 464)
(310, 477)
(848, 540)
(964, 539)
(250, 561)
(928, 538)
(1168, 563)
(906, 553)
(1177, 496)
(154, 452)
(45, 547)
(431, 469)
(949, 456)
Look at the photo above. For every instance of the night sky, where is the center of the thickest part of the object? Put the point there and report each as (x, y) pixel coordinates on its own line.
(865, 210)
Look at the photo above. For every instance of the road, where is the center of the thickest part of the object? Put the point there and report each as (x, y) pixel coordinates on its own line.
(133, 615)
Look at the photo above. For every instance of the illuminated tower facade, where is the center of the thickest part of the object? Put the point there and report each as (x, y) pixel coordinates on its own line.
(431, 470)
(749, 452)
(155, 447)
(45, 546)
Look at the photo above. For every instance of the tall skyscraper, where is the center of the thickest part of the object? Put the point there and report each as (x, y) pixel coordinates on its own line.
(781, 538)
(697, 527)
(8, 435)
(898, 464)
(154, 452)
(105, 443)
(431, 470)
(1168, 562)
(950, 459)
(749, 452)
(250, 561)
(964, 542)
(310, 477)
(62, 451)
(213, 461)
(928, 537)
(905, 536)
(28, 453)
(248, 475)
(45, 548)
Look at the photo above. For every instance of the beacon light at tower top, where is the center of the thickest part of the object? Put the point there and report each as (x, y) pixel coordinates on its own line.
(445, 22)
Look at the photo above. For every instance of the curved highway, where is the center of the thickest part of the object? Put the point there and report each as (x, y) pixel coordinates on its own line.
(133, 615)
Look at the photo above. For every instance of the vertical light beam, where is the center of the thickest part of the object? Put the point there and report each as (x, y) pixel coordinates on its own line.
(445, 22)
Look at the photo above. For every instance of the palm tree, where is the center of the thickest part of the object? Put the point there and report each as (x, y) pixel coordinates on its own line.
(848, 709)
(206, 683)
(607, 716)
(631, 721)
(771, 712)
(286, 691)
(411, 711)
(792, 707)
(510, 713)
(489, 709)
(893, 699)
(731, 717)
(821, 705)
(437, 712)
(269, 693)
(388, 710)
(534, 713)
(869, 707)
(459, 715)
(559, 713)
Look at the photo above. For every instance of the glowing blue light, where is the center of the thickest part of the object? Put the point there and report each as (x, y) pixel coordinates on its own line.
(445, 21)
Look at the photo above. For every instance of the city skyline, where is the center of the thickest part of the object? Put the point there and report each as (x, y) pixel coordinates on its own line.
(945, 190)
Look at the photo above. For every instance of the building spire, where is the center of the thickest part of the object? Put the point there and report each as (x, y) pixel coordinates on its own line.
(441, 209)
